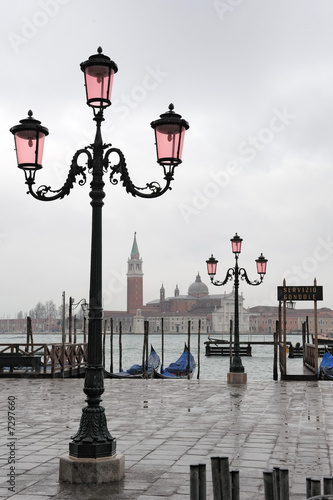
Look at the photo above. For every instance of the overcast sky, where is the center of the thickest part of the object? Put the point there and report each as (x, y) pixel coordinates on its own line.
(254, 79)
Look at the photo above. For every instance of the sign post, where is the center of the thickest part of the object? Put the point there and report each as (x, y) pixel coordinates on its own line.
(299, 293)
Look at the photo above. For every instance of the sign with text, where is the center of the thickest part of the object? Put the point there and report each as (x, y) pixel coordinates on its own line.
(300, 292)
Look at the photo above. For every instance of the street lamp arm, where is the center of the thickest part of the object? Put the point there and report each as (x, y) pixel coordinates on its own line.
(155, 189)
(243, 274)
(230, 274)
(42, 192)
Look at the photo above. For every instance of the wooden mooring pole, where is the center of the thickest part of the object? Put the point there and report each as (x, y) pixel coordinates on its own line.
(120, 348)
(162, 326)
(111, 345)
(275, 362)
(189, 350)
(198, 369)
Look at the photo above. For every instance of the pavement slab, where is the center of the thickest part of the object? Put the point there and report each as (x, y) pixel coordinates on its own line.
(162, 427)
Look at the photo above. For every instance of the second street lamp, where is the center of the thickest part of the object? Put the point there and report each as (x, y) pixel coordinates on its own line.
(236, 366)
(93, 439)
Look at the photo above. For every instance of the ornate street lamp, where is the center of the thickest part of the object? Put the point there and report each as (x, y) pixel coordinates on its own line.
(236, 272)
(93, 440)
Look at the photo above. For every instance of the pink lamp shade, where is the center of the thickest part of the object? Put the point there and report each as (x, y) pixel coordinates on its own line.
(236, 244)
(169, 135)
(29, 141)
(261, 264)
(99, 71)
(211, 265)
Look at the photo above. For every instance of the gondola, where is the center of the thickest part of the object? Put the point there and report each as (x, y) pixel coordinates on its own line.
(326, 367)
(178, 369)
(137, 371)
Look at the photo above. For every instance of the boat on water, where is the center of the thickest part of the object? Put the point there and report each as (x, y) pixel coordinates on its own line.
(326, 367)
(212, 340)
(178, 369)
(325, 339)
(137, 371)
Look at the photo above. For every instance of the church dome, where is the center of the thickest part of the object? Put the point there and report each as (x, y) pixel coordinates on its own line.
(198, 288)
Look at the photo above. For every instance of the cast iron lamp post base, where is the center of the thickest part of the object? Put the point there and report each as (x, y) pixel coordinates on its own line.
(236, 378)
(92, 471)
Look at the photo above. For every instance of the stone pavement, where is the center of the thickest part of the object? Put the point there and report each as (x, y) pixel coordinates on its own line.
(163, 426)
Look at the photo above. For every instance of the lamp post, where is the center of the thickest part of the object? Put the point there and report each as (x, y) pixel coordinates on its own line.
(236, 272)
(93, 440)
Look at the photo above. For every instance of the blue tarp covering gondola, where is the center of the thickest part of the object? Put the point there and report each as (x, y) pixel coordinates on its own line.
(136, 371)
(178, 369)
(326, 367)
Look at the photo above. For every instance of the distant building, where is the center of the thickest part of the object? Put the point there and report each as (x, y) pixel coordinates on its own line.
(263, 319)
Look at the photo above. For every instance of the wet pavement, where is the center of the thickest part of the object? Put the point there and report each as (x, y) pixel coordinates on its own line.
(164, 426)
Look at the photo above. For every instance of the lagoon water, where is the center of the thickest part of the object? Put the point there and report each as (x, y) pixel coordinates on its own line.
(258, 367)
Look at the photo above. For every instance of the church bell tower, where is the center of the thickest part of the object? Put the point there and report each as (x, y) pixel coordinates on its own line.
(134, 280)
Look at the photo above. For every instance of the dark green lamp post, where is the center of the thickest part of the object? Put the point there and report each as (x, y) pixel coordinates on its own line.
(236, 272)
(93, 439)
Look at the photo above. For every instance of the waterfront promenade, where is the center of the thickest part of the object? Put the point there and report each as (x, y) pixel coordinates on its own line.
(162, 427)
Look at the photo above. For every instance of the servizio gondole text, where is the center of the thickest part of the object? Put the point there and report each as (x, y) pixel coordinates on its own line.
(300, 292)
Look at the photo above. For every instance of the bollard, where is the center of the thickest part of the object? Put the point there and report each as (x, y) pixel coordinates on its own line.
(284, 484)
(194, 482)
(276, 483)
(221, 478)
(308, 487)
(198, 482)
(268, 485)
(315, 487)
(328, 485)
(234, 474)
(202, 481)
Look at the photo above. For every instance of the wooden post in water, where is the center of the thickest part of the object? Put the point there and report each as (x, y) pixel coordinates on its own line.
(230, 341)
(120, 348)
(162, 324)
(275, 368)
(189, 350)
(29, 334)
(75, 324)
(70, 320)
(284, 334)
(303, 339)
(63, 335)
(111, 345)
(198, 364)
(316, 331)
(146, 349)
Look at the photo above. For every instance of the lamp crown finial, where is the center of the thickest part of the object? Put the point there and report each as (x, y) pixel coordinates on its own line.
(99, 50)
(171, 107)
